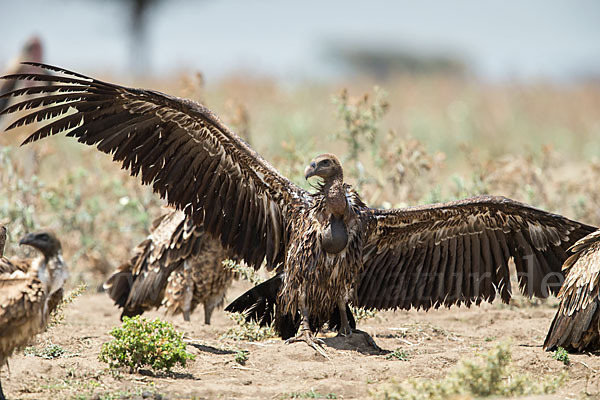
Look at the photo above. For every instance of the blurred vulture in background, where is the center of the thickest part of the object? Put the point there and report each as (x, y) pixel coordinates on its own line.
(31, 51)
(328, 247)
(576, 326)
(179, 265)
(29, 291)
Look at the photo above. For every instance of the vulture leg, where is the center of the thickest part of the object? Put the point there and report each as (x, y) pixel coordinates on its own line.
(208, 309)
(305, 334)
(345, 328)
(188, 293)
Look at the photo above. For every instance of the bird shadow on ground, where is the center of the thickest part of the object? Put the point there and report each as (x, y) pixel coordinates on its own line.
(172, 375)
(359, 341)
(210, 349)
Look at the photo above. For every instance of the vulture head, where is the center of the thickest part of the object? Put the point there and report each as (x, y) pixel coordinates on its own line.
(52, 270)
(326, 166)
(47, 243)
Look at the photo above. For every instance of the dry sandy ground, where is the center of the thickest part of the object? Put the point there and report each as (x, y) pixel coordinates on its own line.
(435, 340)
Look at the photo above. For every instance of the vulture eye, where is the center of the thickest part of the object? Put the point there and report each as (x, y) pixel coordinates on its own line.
(43, 236)
(325, 163)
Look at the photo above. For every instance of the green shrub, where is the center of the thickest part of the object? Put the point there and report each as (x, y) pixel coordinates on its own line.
(49, 352)
(139, 342)
(398, 354)
(489, 377)
(561, 355)
(241, 356)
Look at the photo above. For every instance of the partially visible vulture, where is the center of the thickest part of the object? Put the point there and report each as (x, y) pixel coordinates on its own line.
(576, 325)
(328, 247)
(2, 240)
(178, 265)
(32, 51)
(29, 291)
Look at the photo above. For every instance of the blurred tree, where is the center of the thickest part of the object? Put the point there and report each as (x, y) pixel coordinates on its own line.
(139, 10)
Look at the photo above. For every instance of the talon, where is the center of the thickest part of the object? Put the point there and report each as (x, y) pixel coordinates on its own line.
(307, 337)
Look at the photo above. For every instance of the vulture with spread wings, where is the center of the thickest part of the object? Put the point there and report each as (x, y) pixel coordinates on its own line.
(178, 265)
(576, 326)
(328, 247)
(29, 291)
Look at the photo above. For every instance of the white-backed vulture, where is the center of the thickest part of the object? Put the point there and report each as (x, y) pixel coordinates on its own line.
(329, 248)
(178, 265)
(576, 325)
(29, 291)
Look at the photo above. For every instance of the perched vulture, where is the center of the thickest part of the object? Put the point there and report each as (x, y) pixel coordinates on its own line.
(328, 247)
(29, 291)
(576, 326)
(179, 265)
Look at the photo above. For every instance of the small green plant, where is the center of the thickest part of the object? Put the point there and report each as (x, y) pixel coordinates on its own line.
(58, 316)
(248, 331)
(243, 271)
(361, 314)
(489, 377)
(241, 356)
(311, 394)
(140, 342)
(49, 352)
(398, 354)
(561, 355)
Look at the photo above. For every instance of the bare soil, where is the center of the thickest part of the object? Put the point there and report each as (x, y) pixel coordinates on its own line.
(434, 340)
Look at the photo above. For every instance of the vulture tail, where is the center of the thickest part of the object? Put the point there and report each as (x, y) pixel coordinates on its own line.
(576, 332)
(259, 303)
(118, 286)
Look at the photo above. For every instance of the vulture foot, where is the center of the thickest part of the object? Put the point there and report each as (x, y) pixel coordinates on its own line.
(307, 337)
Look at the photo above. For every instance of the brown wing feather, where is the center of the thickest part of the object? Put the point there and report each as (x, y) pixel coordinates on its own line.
(9, 266)
(139, 284)
(180, 147)
(21, 304)
(576, 324)
(458, 253)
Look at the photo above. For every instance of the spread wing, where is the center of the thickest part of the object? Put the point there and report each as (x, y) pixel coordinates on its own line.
(458, 252)
(180, 147)
(573, 325)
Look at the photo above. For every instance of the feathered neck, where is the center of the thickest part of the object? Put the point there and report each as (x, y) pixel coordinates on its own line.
(334, 191)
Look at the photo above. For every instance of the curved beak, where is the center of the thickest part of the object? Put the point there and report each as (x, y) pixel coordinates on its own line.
(27, 239)
(310, 170)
